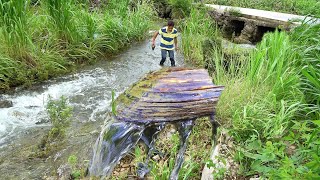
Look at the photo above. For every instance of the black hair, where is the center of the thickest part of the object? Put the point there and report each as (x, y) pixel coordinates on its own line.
(170, 23)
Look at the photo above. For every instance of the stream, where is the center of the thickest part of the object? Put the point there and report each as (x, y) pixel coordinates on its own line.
(89, 93)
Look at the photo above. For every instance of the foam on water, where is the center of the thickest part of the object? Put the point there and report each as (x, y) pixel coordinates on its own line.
(29, 107)
(88, 91)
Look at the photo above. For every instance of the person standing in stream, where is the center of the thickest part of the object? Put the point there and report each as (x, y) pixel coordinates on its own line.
(168, 42)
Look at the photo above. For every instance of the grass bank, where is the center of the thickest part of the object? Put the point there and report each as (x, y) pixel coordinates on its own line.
(270, 105)
(301, 7)
(49, 38)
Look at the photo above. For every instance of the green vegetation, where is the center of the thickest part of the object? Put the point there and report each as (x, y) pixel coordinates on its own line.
(113, 103)
(196, 29)
(302, 7)
(270, 105)
(180, 8)
(49, 38)
(59, 115)
(195, 156)
(73, 161)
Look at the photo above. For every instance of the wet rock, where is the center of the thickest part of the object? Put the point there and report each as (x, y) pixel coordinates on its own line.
(5, 104)
(156, 158)
(42, 121)
(19, 114)
(64, 171)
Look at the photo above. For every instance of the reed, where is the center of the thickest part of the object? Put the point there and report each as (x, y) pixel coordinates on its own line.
(13, 18)
(196, 28)
(121, 30)
(306, 40)
(262, 106)
(181, 8)
(52, 37)
(61, 14)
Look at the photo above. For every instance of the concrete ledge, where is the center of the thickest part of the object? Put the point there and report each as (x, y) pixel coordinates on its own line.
(263, 15)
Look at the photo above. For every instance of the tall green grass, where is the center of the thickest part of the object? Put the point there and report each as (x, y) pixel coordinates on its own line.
(306, 40)
(13, 18)
(196, 28)
(62, 18)
(126, 26)
(51, 38)
(270, 104)
(262, 106)
(180, 8)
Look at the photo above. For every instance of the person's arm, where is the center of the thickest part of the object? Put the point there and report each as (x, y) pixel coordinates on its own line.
(154, 38)
(176, 43)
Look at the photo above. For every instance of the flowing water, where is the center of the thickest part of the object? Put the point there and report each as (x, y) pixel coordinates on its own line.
(119, 138)
(88, 92)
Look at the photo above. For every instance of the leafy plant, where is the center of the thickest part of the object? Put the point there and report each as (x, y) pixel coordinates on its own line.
(193, 36)
(13, 18)
(61, 14)
(59, 114)
(113, 103)
(181, 8)
(73, 161)
(306, 43)
(219, 172)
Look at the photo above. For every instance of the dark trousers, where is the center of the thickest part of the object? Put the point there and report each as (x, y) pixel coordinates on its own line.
(164, 56)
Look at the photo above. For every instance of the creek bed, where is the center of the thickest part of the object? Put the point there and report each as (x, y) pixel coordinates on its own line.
(89, 93)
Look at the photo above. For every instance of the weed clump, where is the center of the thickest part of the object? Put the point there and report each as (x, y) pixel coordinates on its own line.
(59, 115)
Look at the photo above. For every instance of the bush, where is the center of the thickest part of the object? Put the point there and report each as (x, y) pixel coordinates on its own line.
(181, 8)
(59, 114)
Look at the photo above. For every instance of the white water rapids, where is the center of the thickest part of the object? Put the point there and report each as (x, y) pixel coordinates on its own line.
(88, 91)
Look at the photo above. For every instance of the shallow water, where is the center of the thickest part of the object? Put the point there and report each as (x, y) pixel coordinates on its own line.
(88, 91)
(118, 138)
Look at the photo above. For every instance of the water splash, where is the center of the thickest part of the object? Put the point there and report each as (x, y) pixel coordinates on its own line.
(118, 138)
(88, 91)
(115, 140)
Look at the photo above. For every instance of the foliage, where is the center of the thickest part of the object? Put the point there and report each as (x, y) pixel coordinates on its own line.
(303, 7)
(15, 32)
(42, 41)
(194, 157)
(61, 14)
(73, 161)
(306, 40)
(113, 103)
(261, 105)
(234, 12)
(181, 8)
(59, 114)
(271, 102)
(196, 28)
(8, 68)
(219, 172)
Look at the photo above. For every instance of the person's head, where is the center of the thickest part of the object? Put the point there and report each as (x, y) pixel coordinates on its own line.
(170, 25)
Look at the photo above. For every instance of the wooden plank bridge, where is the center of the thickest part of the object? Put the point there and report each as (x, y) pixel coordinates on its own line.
(169, 95)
